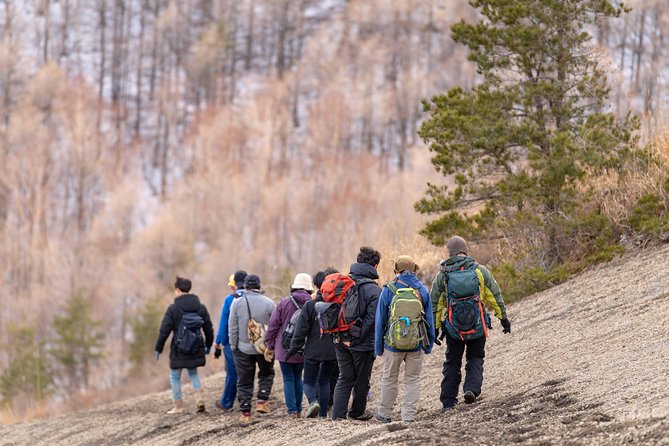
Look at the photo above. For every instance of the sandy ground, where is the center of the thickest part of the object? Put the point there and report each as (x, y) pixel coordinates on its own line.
(587, 363)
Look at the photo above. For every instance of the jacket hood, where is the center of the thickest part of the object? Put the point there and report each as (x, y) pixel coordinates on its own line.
(457, 262)
(187, 302)
(363, 271)
(301, 296)
(410, 279)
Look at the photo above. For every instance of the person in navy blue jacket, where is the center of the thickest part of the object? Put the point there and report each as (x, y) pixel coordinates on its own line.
(406, 269)
(227, 399)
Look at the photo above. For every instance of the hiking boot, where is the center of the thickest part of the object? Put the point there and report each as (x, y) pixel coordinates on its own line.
(245, 418)
(470, 397)
(224, 409)
(365, 416)
(262, 406)
(200, 401)
(313, 410)
(447, 408)
(178, 407)
(295, 415)
(382, 419)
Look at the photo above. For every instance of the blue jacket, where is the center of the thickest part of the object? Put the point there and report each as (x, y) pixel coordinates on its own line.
(222, 337)
(383, 314)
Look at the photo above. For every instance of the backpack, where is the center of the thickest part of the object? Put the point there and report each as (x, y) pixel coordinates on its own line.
(188, 337)
(255, 331)
(289, 332)
(340, 313)
(406, 328)
(466, 319)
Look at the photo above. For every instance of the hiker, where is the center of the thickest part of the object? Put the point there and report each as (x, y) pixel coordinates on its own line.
(249, 316)
(457, 292)
(406, 332)
(355, 352)
(186, 318)
(227, 399)
(278, 341)
(320, 360)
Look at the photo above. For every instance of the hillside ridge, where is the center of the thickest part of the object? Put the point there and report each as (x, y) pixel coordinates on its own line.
(587, 363)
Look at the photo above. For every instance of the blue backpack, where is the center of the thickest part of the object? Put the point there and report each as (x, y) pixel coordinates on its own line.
(188, 335)
(466, 319)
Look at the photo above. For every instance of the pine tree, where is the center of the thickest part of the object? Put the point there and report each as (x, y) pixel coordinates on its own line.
(144, 326)
(521, 144)
(28, 373)
(78, 342)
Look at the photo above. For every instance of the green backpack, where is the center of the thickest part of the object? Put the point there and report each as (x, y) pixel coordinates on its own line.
(405, 325)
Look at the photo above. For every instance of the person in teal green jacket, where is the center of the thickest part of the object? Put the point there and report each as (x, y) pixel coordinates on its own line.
(457, 339)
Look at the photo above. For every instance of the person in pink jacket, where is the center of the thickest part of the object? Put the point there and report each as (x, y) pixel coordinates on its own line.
(291, 368)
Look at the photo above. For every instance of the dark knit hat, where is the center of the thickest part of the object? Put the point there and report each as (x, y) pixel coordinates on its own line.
(252, 282)
(239, 278)
(455, 245)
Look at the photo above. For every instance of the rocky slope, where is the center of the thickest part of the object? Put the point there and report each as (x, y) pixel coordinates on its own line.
(587, 363)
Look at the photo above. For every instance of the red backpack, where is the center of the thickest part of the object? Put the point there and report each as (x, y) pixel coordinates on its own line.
(340, 310)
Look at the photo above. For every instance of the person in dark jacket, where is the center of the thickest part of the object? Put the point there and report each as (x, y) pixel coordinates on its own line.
(355, 357)
(406, 269)
(184, 303)
(320, 359)
(491, 295)
(291, 367)
(227, 399)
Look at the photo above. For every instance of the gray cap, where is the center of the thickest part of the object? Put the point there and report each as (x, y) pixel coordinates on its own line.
(455, 245)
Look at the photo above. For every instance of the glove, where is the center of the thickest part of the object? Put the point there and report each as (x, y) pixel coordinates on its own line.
(292, 352)
(217, 352)
(506, 325)
(269, 355)
(157, 356)
(207, 350)
(437, 338)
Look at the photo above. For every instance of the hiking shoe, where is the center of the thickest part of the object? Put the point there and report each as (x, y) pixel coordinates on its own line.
(470, 397)
(200, 407)
(447, 408)
(178, 407)
(262, 406)
(245, 418)
(313, 410)
(223, 408)
(382, 419)
(365, 416)
(295, 415)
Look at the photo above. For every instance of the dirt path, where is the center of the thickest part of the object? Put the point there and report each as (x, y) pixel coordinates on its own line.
(587, 363)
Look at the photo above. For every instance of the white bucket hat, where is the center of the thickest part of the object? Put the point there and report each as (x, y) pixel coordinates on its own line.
(303, 282)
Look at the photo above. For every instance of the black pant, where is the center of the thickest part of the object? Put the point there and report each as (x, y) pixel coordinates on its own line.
(452, 374)
(246, 371)
(355, 371)
(317, 377)
(333, 383)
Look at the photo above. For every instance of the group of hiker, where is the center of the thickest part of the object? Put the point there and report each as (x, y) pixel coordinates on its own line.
(327, 334)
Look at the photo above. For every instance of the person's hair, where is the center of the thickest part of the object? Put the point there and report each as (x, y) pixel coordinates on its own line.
(369, 256)
(182, 284)
(320, 276)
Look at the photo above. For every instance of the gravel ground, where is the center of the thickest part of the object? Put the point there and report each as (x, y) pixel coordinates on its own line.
(587, 363)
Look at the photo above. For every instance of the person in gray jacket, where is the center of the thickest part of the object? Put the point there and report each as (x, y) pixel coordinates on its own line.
(257, 307)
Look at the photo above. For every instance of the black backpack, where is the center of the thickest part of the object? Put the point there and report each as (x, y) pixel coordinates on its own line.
(188, 335)
(289, 332)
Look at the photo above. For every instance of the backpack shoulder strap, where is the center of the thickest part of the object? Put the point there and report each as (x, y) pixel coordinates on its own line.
(248, 307)
(295, 303)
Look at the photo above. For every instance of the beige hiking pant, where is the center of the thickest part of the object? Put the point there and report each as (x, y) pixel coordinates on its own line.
(413, 363)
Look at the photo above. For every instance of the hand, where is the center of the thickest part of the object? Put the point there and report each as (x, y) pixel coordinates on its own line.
(207, 350)
(292, 352)
(269, 355)
(437, 339)
(217, 352)
(506, 325)
(157, 356)
(379, 354)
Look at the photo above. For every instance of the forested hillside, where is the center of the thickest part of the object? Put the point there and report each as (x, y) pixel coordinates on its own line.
(145, 138)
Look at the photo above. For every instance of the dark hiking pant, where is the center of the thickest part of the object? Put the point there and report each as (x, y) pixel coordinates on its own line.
(452, 374)
(246, 371)
(317, 377)
(355, 371)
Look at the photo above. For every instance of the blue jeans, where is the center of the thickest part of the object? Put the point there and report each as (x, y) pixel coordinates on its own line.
(230, 390)
(175, 380)
(292, 386)
(318, 372)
